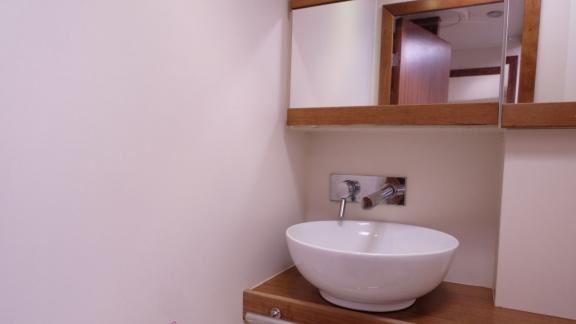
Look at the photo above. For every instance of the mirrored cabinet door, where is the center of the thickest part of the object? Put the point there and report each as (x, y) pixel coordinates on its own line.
(334, 55)
(547, 80)
(377, 52)
(553, 50)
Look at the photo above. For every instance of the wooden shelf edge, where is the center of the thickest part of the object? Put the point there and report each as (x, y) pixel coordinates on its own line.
(300, 4)
(477, 114)
(300, 302)
(539, 115)
(303, 312)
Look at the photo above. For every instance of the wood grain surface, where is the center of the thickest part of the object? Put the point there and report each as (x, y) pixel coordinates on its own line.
(540, 115)
(299, 4)
(450, 303)
(529, 56)
(402, 115)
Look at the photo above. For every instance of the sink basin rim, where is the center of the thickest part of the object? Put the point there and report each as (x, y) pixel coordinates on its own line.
(454, 240)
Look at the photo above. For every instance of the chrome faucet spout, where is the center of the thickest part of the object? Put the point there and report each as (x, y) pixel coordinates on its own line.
(346, 190)
(342, 208)
(387, 192)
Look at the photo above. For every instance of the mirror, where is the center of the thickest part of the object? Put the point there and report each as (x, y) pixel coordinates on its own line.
(432, 52)
(334, 55)
(551, 52)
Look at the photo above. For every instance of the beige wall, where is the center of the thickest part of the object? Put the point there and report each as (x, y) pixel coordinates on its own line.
(537, 261)
(145, 173)
(453, 185)
(537, 256)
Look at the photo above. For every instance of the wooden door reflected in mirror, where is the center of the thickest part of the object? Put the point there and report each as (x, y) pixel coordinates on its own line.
(422, 60)
(447, 56)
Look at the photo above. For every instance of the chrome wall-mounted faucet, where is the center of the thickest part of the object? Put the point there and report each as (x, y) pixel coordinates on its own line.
(369, 190)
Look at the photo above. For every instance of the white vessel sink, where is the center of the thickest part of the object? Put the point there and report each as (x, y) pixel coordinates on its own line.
(371, 266)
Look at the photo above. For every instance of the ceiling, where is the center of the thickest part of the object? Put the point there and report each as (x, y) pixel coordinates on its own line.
(470, 27)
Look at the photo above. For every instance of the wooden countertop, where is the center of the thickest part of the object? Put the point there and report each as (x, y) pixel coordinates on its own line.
(300, 302)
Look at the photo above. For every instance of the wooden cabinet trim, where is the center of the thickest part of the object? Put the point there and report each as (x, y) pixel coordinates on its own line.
(393, 115)
(529, 55)
(303, 312)
(300, 4)
(540, 115)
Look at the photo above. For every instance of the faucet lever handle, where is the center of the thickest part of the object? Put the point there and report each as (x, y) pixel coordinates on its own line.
(348, 189)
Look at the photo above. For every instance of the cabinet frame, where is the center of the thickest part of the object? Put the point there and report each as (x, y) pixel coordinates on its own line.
(525, 114)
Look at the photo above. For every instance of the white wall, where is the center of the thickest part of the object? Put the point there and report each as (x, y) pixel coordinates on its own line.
(537, 261)
(334, 61)
(536, 257)
(145, 174)
(482, 88)
(556, 66)
(476, 58)
(479, 88)
(453, 182)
